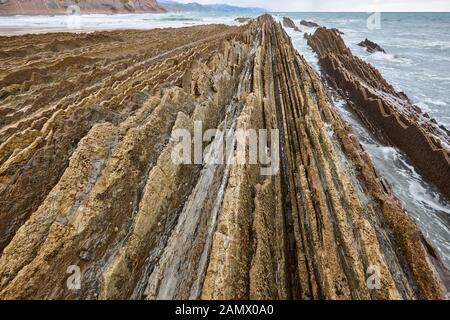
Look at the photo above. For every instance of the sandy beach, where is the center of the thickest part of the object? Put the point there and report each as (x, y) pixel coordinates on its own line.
(8, 31)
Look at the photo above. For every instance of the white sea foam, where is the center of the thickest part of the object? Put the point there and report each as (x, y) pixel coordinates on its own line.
(426, 49)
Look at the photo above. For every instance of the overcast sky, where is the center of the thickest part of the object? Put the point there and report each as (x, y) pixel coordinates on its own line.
(338, 5)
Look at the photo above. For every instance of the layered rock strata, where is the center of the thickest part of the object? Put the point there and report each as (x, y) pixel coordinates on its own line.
(388, 113)
(371, 46)
(289, 23)
(309, 24)
(88, 181)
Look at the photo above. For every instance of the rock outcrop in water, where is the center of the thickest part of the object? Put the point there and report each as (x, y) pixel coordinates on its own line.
(45, 7)
(371, 46)
(310, 24)
(87, 179)
(289, 23)
(388, 113)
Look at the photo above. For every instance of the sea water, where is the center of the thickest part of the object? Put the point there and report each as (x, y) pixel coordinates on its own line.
(417, 61)
(77, 23)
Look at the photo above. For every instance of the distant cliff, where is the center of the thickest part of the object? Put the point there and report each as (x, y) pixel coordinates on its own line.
(14, 7)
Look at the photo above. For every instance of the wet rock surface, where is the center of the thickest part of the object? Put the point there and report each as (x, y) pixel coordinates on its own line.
(371, 46)
(388, 113)
(289, 23)
(243, 19)
(87, 179)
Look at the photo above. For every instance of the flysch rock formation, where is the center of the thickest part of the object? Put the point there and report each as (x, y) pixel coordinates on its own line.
(337, 30)
(388, 113)
(289, 23)
(31, 7)
(371, 46)
(87, 180)
(310, 24)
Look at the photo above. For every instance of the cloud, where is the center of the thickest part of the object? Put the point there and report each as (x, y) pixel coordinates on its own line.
(338, 5)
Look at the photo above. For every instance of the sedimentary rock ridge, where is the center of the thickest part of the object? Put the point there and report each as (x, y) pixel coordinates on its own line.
(371, 46)
(390, 114)
(310, 24)
(87, 178)
(289, 23)
(15, 7)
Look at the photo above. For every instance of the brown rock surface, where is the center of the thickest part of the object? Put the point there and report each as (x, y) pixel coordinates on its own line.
(385, 110)
(15, 7)
(289, 23)
(243, 19)
(87, 179)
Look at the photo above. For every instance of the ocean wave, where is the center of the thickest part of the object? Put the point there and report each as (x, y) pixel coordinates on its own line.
(436, 102)
(424, 44)
(342, 21)
(422, 194)
(178, 19)
(388, 153)
(427, 103)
